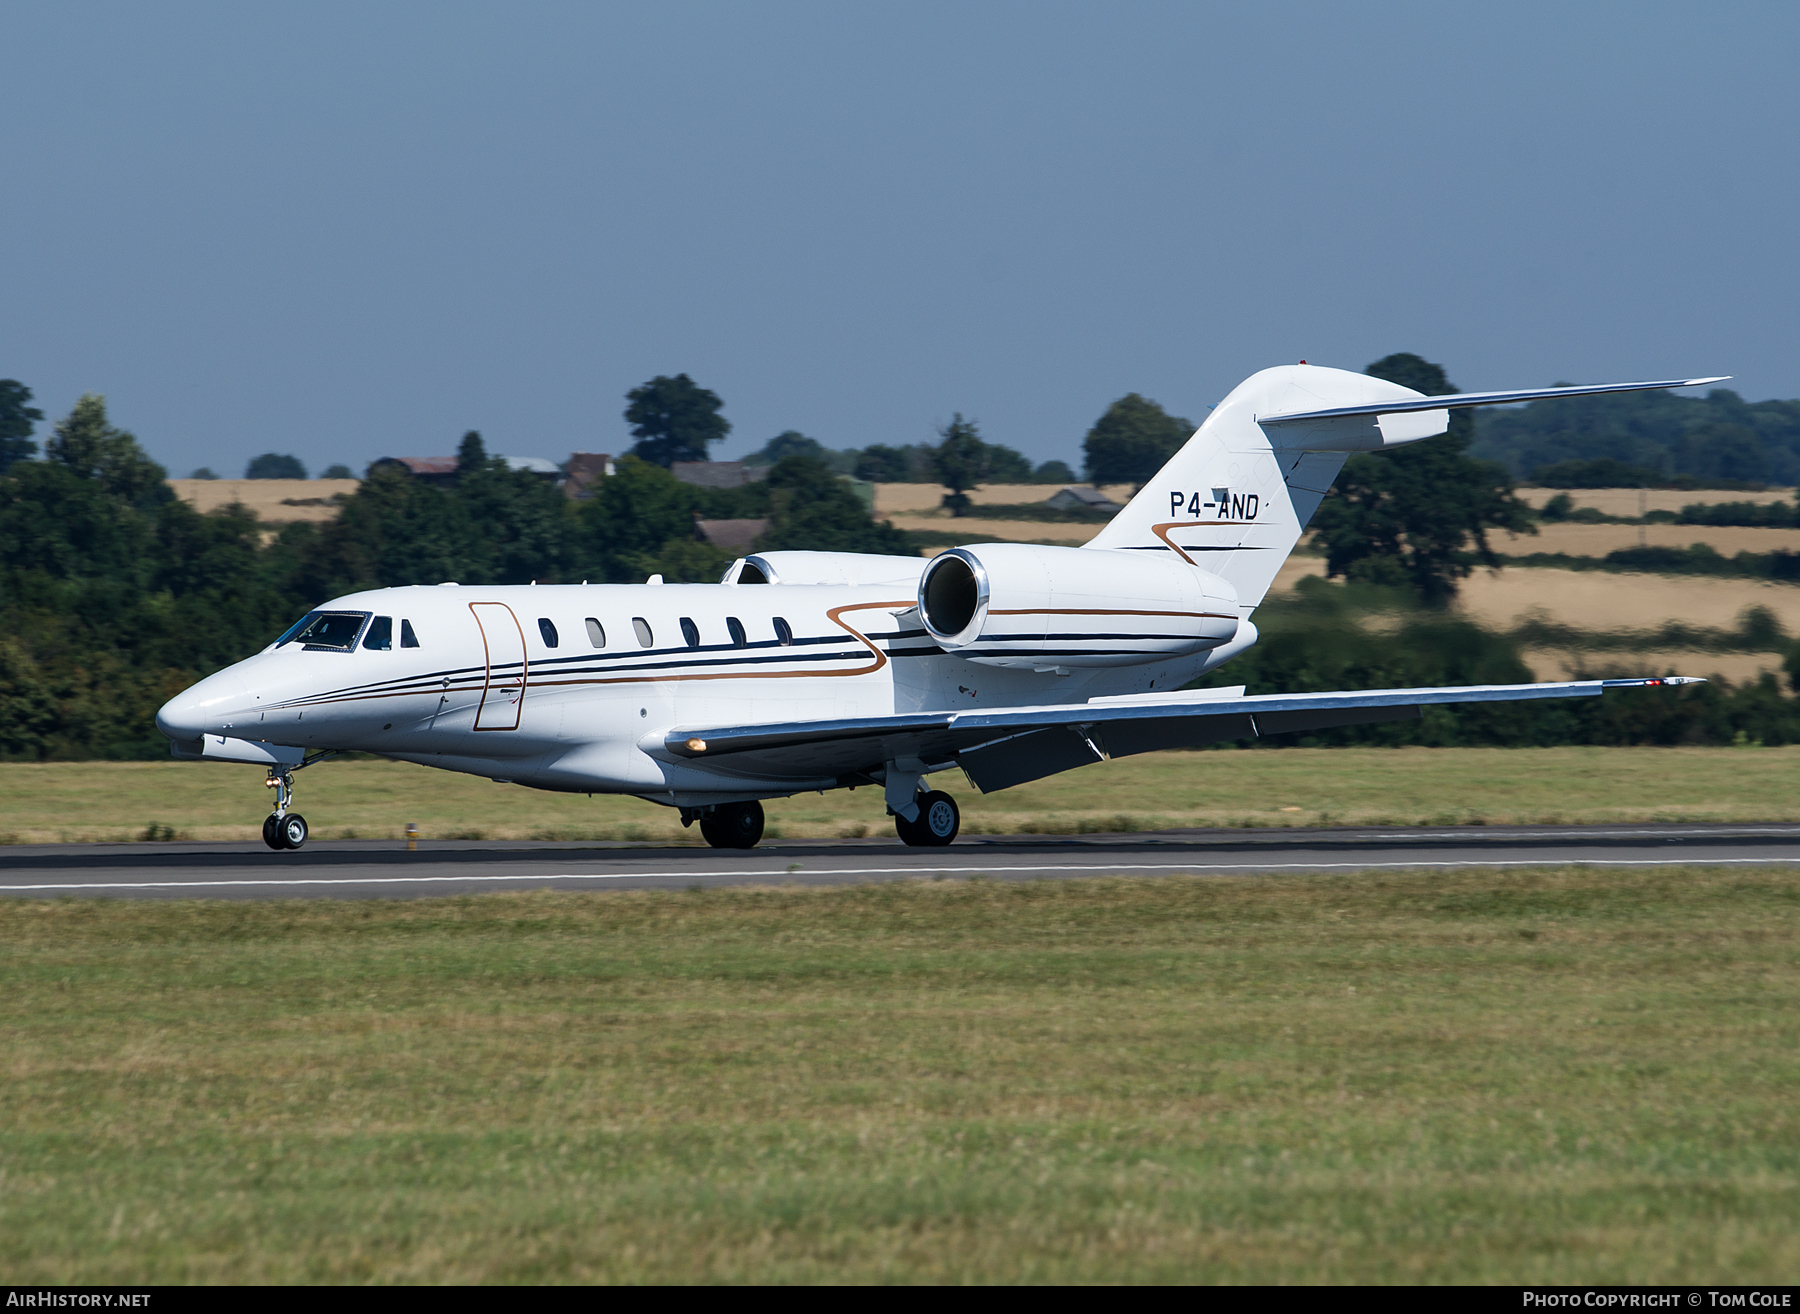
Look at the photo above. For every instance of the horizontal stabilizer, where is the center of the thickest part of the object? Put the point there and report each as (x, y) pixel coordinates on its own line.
(1456, 400)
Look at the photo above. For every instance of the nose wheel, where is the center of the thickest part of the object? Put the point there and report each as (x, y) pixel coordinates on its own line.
(938, 823)
(283, 829)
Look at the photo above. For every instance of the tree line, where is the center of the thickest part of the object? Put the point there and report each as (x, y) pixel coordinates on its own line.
(114, 594)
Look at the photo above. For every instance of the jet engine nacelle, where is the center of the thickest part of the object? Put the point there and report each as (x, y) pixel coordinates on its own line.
(1024, 605)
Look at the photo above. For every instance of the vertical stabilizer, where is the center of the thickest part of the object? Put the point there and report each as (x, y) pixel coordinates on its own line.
(1237, 496)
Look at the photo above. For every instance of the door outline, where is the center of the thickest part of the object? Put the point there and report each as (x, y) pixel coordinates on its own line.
(487, 656)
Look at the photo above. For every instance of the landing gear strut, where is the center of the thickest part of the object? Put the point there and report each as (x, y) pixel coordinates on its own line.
(733, 825)
(938, 823)
(283, 829)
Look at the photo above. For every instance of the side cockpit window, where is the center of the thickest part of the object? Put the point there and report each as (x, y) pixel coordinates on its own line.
(327, 631)
(407, 638)
(380, 637)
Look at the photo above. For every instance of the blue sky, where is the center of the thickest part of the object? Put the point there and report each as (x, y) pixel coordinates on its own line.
(349, 230)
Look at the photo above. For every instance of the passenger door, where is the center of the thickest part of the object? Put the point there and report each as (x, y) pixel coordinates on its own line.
(504, 693)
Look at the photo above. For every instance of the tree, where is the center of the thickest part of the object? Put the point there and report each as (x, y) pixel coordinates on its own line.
(339, 471)
(1132, 441)
(673, 419)
(960, 461)
(881, 464)
(810, 508)
(273, 466)
(16, 422)
(524, 522)
(790, 442)
(204, 472)
(471, 453)
(87, 443)
(1006, 466)
(1418, 516)
(626, 523)
(1053, 472)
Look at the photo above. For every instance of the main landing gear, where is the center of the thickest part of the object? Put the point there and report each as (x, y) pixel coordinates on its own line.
(938, 823)
(733, 825)
(283, 829)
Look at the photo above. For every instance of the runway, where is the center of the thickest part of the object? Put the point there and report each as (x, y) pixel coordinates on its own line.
(384, 869)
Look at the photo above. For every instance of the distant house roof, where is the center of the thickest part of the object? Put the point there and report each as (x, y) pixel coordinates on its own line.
(432, 469)
(1079, 496)
(717, 474)
(536, 465)
(731, 535)
(585, 470)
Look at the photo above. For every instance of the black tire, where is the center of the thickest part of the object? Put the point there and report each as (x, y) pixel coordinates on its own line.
(293, 831)
(270, 837)
(940, 820)
(733, 825)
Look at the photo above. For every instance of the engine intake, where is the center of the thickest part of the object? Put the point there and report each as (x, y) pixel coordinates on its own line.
(1024, 605)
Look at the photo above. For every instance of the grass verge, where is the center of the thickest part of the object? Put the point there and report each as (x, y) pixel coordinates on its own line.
(1544, 1076)
(49, 803)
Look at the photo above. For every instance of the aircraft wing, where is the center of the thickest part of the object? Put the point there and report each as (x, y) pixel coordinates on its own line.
(1003, 747)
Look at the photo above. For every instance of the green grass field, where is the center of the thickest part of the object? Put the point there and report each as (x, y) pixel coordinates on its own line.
(1568, 1075)
(1291, 787)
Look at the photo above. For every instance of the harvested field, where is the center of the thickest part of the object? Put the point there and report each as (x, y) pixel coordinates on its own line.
(1624, 501)
(1071, 534)
(901, 499)
(1737, 667)
(1600, 600)
(97, 801)
(1598, 540)
(1603, 601)
(267, 497)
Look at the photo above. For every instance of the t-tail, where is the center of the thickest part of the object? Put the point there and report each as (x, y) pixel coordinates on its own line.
(1237, 496)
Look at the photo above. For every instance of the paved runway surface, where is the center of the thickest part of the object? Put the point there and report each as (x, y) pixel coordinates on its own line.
(364, 869)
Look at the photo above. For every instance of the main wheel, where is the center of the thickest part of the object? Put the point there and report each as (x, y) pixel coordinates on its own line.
(292, 831)
(938, 823)
(733, 825)
(272, 836)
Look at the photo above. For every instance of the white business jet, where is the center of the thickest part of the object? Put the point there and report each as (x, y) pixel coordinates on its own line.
(807, 671)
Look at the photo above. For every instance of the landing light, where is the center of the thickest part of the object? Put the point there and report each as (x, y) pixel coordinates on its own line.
(696, 745)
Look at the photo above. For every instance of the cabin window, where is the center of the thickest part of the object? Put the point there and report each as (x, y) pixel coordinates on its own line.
(380, 637)
(596, 635)
(407, 638)
(326, 631)
(784, 632)
(548, 630)
(738, 638)
(642, 626)
(690, 632)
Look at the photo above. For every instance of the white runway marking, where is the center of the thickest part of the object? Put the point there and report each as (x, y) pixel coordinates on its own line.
(777, 875)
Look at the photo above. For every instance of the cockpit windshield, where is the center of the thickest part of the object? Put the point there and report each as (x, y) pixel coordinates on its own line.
(326, 631)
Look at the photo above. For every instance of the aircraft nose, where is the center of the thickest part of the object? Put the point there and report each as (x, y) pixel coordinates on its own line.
(201, 710)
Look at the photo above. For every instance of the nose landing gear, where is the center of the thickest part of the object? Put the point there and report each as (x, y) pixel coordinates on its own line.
(283, 829)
